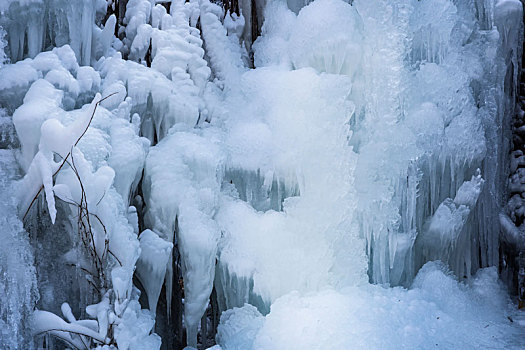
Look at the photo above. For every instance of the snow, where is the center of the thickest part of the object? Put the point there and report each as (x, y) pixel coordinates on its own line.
(239, 327)
(327, 36)
(433, 313)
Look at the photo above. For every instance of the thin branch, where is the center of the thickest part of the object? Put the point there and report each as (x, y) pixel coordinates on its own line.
(65, 159)
(118, 260)
(68, 331)
(84, 269)
(91, 119)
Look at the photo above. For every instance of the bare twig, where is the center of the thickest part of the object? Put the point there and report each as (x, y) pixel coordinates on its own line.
(86, 234)
(118, 260)
(67, 156)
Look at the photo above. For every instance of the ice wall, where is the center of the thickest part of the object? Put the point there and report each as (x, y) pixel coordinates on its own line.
(37, 25)
(426, 124)
(17, 272)
(462, 108)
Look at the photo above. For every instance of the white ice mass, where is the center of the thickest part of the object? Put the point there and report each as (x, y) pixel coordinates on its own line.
(261, 174)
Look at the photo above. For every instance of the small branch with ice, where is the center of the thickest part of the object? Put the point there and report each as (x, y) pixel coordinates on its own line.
(44, 170)
(73, 180)
(77, 334)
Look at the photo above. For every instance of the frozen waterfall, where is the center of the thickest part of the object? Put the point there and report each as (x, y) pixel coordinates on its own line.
(261, 174)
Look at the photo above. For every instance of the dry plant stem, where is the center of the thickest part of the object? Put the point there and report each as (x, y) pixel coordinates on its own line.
(84, 229)
(68, 331)
(67, 156)
(83, 213)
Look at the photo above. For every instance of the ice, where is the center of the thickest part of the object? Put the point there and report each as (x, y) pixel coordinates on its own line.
(316, 42)
(433, 313)
(159, 101)
(41, 101)
(432, 40)
(222, 46)
(271, 48)
(47, 322)
(422, 126)
(3, 44)
(299, 184)
(151, 267)
(182, 185)
(262, 191)
(128, 153)
(177, 49)
(444, 228)
(104, 38)
(294, 249)
(239, 327)
(33, 25)
(137, 13)
(434, 158)
(133, 331)
(92, 143)
(17, 272)
(60, 68)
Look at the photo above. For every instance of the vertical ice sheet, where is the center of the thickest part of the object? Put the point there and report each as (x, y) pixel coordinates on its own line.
(18, 287)
(429, 116)
(35, 26)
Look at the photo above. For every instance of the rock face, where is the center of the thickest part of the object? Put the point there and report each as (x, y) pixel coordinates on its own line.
(512, 262)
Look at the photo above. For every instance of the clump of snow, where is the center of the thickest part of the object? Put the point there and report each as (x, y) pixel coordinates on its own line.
(239, 327)
(272, 47)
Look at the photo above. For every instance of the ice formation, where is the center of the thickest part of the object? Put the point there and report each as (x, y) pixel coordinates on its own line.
(338, 181)
(18, 281)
